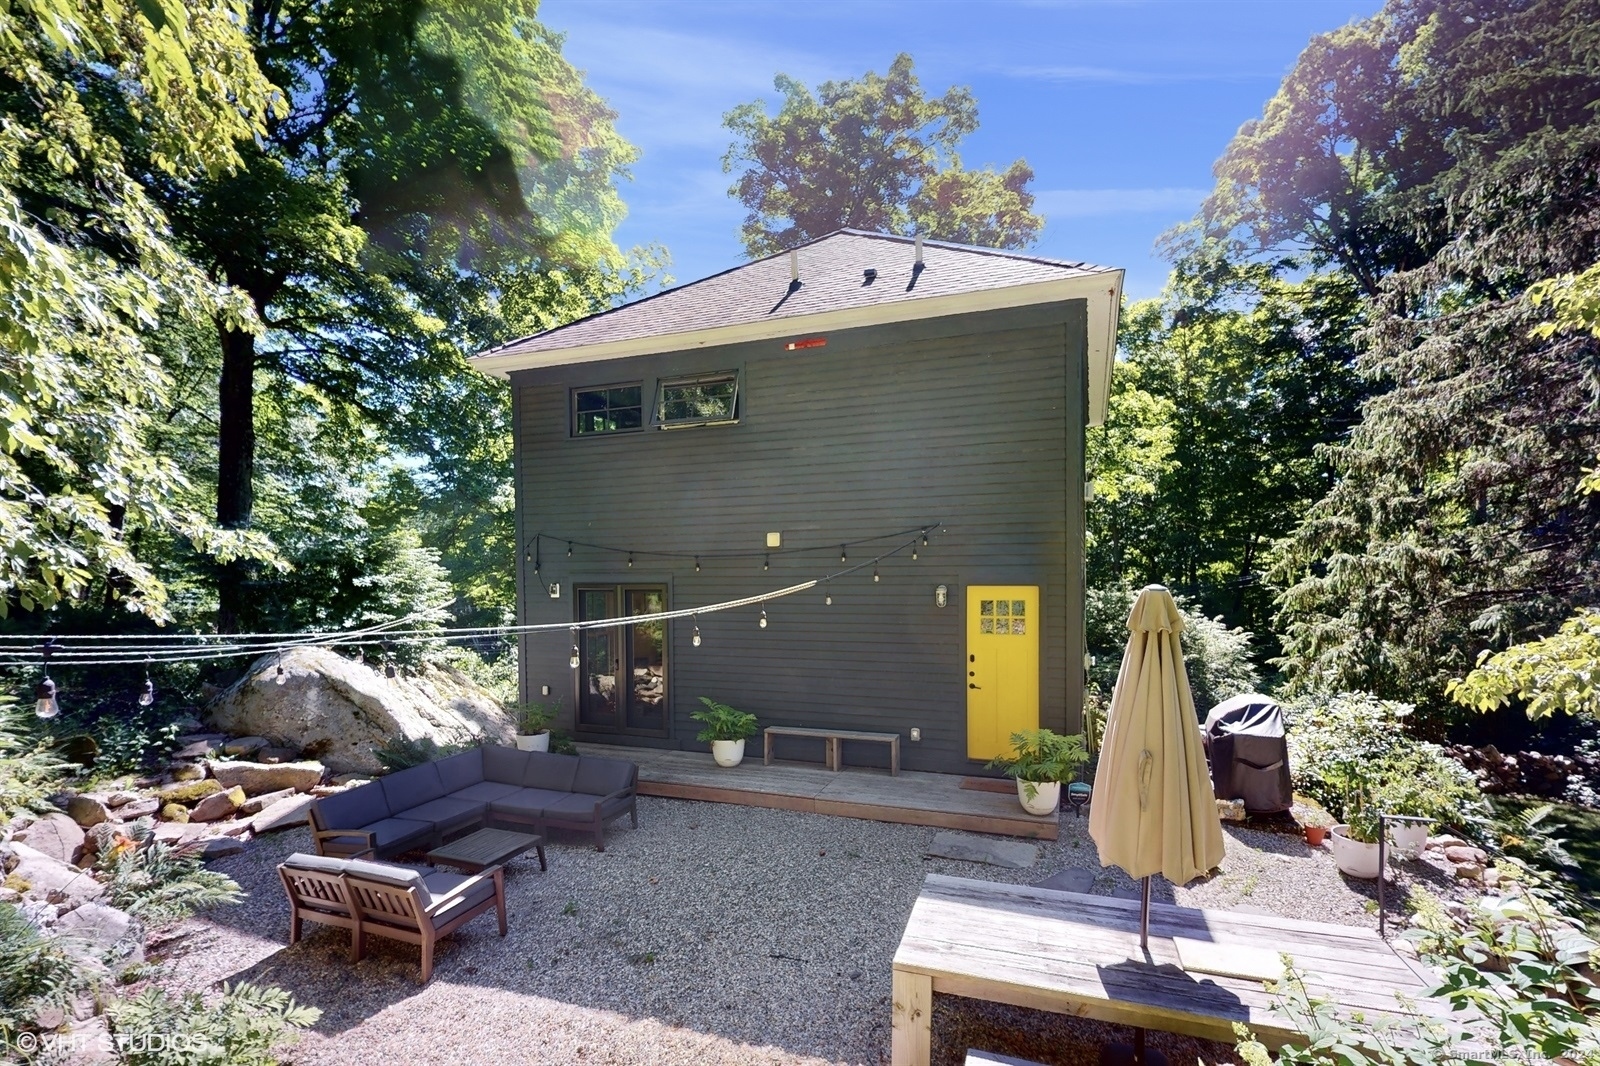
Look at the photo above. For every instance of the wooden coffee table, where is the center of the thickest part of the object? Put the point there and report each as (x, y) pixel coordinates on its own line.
(485, 848)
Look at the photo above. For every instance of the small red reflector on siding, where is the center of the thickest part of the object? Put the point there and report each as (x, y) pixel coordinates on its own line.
(809, 342)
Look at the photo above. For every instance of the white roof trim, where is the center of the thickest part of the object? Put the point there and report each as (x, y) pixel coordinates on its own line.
(1102, 291)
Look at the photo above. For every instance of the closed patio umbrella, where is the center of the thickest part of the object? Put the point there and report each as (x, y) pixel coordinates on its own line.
(1154, 811)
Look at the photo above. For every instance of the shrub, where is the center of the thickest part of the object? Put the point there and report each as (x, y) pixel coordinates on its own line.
(160, 883)
(28, 771)
(1217, 658)
(535, 716)
(1040, 756)
(1350, 752)
(155, 1029)
(402, 753)
(37, 973)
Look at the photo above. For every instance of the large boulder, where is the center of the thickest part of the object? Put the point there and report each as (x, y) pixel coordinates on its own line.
(39, 876)
(340, 711)
(57, 835)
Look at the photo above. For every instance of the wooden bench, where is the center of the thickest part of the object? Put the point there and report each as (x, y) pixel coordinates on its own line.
(833, 752)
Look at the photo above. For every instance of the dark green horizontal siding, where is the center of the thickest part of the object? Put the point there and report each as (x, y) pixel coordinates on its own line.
(974, 421)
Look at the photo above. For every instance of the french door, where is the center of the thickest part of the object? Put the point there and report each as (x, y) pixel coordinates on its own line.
(622, 670)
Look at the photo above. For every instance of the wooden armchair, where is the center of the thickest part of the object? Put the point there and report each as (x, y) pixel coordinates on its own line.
(317, 893)
(398, 904)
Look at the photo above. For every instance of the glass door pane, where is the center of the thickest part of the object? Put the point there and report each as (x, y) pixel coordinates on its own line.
(646, 643)
(598, 659)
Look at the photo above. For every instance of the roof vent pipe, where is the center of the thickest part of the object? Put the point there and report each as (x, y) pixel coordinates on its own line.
(919, 251)
(794, 266)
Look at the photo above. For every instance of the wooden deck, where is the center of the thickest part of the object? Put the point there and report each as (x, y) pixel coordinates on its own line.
(1080, 954)
(912, 798)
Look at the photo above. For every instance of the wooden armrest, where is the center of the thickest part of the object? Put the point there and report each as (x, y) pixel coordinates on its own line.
(319, 835)
(603, 800)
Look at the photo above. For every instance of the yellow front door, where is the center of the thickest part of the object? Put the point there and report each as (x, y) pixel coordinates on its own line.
(1002, 666)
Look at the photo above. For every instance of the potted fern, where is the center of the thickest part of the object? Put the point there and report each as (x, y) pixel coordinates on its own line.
(1041, 759)
(726, 729)
(533, 724)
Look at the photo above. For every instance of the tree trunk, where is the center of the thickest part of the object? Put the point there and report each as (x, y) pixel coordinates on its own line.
(236, 461)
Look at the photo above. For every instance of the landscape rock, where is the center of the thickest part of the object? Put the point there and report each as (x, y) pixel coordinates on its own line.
(1231, 810)
(49, 879)
(218, 847)
(1447, 841)
(9, 895)
(349, 780)
(257, 804)
(277, 755)
(176, 813)
(1072, 879)
(339, 711)
(188, 772)
(191, 792)
(217, 806)
(1469, 871)
(282, 815)
(177, 834)
(143, 807)
(117, 800)
(91, 1043)
(87, 810)
(1008, 853)
(260, 778)
(113, 933)
(244, 745)
(57, 836)
(1463, 853)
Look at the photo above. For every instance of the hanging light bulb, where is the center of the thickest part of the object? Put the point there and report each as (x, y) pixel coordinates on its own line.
(875, 577)
(924, 538)
(913, 551)
(841, 553)
(630, 560)
(44, 699)
(697, 564)
(763, 622)
(388, 659)
(573, 662)
(766, 562)
(279, 678)
(569, 549)
(827, 596)
(696, 639)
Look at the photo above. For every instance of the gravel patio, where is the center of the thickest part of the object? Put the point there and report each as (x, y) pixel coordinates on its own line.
(712, 934)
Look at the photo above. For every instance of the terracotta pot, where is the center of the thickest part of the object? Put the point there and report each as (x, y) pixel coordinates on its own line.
(1314, 835)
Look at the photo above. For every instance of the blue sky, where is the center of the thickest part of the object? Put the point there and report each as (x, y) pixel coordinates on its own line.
(1120, 106)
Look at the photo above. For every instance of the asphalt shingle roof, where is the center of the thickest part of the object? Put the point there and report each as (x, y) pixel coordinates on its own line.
(831, 279)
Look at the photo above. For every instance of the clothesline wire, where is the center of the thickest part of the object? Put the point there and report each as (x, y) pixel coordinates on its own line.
(535, 540)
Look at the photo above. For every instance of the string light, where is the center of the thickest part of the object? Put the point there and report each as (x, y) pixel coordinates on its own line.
(875, 578)
(697, 564)
(569, 549)
(573, 662)
(841, 553)
(827, 596)
(630, 560)
(388, 656)
(924, 538)
(763, 622)
(44, 693)
(147, 695)
(280, 667)
(913, 551)
(766, 562)
(536, 561)
(696, 639)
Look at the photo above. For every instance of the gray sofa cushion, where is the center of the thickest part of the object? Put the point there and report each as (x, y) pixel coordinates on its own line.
(398, 834)
(574, 806)
(411, 786)
(446, 812)
(599, 776)
(459, 771)
(353, 808)
(484, 792)
(440, 886)
(389, 874)
(527, 802)
(554, 772)
(321, 863)
(505, 765)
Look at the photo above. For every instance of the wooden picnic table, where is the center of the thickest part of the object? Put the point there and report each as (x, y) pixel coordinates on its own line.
(1079, 954)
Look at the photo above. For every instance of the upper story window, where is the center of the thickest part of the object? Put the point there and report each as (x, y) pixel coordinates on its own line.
(707, 400)
(612, 409)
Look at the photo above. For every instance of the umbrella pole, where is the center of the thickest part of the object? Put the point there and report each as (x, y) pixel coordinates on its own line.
(1144, 917)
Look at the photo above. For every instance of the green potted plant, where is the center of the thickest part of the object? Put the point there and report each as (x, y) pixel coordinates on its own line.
(533, 724)
(1041, 759)
(726, 729)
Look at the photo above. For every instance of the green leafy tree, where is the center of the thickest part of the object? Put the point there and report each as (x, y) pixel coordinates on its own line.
(95, 97)
(875, 153)
(1441, 156)
(434, 156)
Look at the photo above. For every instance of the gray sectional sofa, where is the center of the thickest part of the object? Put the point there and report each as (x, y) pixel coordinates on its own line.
(422, 806)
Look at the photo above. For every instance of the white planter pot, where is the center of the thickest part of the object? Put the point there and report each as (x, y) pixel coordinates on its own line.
(533, 741)
(1409, 838)
(1046, 795)
(727, 752)
(1351, 856)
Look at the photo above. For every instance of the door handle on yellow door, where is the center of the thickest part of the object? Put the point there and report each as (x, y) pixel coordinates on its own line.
(971, 685)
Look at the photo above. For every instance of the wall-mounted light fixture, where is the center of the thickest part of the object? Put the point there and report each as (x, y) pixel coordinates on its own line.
(941, 596)
(555, 590)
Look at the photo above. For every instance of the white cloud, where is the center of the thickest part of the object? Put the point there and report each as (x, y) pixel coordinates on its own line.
(1089, 203)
